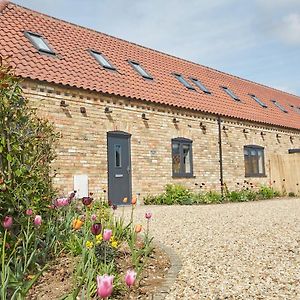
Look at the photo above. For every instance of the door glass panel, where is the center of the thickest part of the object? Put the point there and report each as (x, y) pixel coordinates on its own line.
(176, 157)
(186, 158)
(118, 163)
(260, 162)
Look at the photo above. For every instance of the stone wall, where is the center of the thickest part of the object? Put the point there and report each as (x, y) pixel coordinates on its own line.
(83, 149)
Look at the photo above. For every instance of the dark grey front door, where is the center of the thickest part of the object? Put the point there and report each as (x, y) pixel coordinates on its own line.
(119, 167)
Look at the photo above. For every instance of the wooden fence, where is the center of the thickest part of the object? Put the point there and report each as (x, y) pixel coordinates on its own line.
(285, 173)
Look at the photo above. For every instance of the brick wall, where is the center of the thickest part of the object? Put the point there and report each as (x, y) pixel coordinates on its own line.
(83, 150)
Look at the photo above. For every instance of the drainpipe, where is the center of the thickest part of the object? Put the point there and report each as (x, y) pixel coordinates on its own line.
(221, 156)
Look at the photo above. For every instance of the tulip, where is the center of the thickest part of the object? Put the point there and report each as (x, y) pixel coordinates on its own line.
(87, 201)
(104, 285)
(96, 228)
(148, 215)
(114, 207)
(133, 201)
(29, 212)
(110, 203)
(62, 202)
(38, 220)
(138, 228)
(107, 234)
(130, 278)
(77, 224)
(72, 196)
(7, 222)
(93, 217)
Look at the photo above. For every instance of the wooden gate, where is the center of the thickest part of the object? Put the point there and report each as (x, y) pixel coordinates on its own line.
(285, 173)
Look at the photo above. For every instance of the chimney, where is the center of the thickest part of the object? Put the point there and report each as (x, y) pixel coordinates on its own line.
(3, 4)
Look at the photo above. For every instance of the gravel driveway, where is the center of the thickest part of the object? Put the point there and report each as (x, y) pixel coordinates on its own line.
(232, 251)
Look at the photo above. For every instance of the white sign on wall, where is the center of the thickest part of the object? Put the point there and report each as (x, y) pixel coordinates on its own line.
(81, 185)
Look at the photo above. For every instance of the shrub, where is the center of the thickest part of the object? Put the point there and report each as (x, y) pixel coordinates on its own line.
(266, 192)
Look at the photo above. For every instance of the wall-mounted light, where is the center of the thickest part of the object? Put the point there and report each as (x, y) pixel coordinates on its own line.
(202, 126)
(262, 133)
(107, 110)
(292, 139)
(83, 110)
(63, 103)
(224, 128)
(144, 117)
(245, 130)
(278, 135)
(175, 121)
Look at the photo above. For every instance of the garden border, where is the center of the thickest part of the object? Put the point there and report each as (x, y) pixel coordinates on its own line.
(167, 282)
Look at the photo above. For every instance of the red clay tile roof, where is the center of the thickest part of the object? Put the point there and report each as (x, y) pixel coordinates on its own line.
(74, 66)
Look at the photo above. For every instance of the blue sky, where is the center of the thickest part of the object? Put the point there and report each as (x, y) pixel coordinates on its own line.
(258, 39)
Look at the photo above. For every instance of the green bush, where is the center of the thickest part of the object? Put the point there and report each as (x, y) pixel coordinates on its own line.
(266, 192)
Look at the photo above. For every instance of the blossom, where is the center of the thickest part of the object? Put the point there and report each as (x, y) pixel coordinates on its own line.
(114, 244)
(130, 278)
(77, 223)
(114, 207)
(107, 234)
(148, 215)
(94, 217)
(96, 228)
(89, 244)
(38, 220)
(29, 212)
(104, 285)
(87, 201)
(7, 222)
(133, 201)
(62, 202)
(99, 238)
(138, 228)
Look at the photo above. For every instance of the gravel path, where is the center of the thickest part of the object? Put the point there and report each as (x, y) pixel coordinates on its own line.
(232, 251)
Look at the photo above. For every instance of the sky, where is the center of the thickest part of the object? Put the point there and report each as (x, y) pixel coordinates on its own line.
(257, 40)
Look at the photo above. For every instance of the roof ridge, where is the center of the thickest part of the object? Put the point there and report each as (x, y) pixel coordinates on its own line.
(151, 49)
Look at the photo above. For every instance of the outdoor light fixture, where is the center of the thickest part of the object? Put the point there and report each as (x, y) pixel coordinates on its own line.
(246, 130)
(278, 135)
(63, 103)
(175, 121)
(292, 138)
(202, 126)
(262, 133)
(144, 117)
(225, 128)
(83, 110)
(107, 110)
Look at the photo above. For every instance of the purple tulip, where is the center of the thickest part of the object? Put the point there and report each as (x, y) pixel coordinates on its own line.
(104, 285)
(114, 207)
(107, 233)
(38, 220)
(130, 278)
(96, 228)
(148, 215)
(7, 222)
(93, 217)
(87, 201)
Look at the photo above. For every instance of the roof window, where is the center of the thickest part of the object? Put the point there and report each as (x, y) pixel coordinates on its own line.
(200, 85)
(140, 70)
(231, 93)
(102, 60)
(262, 104)
(279, 106)
(184, 82)
(39, 42)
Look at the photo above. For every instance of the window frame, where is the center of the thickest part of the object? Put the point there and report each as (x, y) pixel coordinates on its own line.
(257, 100)
(200, 85)
(231, 93)
(184, 82)
(278, 105)
(94, 54)
(256, 148)
(182, 141)
(134, 64)
(29, 35)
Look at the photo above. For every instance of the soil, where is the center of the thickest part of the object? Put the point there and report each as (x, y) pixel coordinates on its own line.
(57, 281)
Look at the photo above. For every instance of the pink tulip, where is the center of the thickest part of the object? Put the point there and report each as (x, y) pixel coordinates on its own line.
(148, 215)
(62, 202)
(38, 220)
(104, 285)
(107, 234)
(7, 222)
(29, 212)
(94, 217)
(130, 278)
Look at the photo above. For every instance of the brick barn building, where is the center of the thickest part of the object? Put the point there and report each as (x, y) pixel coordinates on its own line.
(134, 119)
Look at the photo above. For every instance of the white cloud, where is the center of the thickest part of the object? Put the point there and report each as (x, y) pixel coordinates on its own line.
(289, 28)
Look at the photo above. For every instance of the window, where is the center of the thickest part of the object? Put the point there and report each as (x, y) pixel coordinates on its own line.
(231, 93)
(295, 108)
(102, 60)
(279, 106)
(39, 43)
(201, 86)
(254, 161)
(182, 158)
(118, 152)
(183, 81)
(258, 101)
(140, 70)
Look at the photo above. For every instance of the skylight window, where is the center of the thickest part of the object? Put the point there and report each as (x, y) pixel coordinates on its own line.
(258, 101)
(279, 106)
(39, 42)
(183, 81)
(140, 70)
(231, 93)
(102, 60)
(200, 85)
(295, 108)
